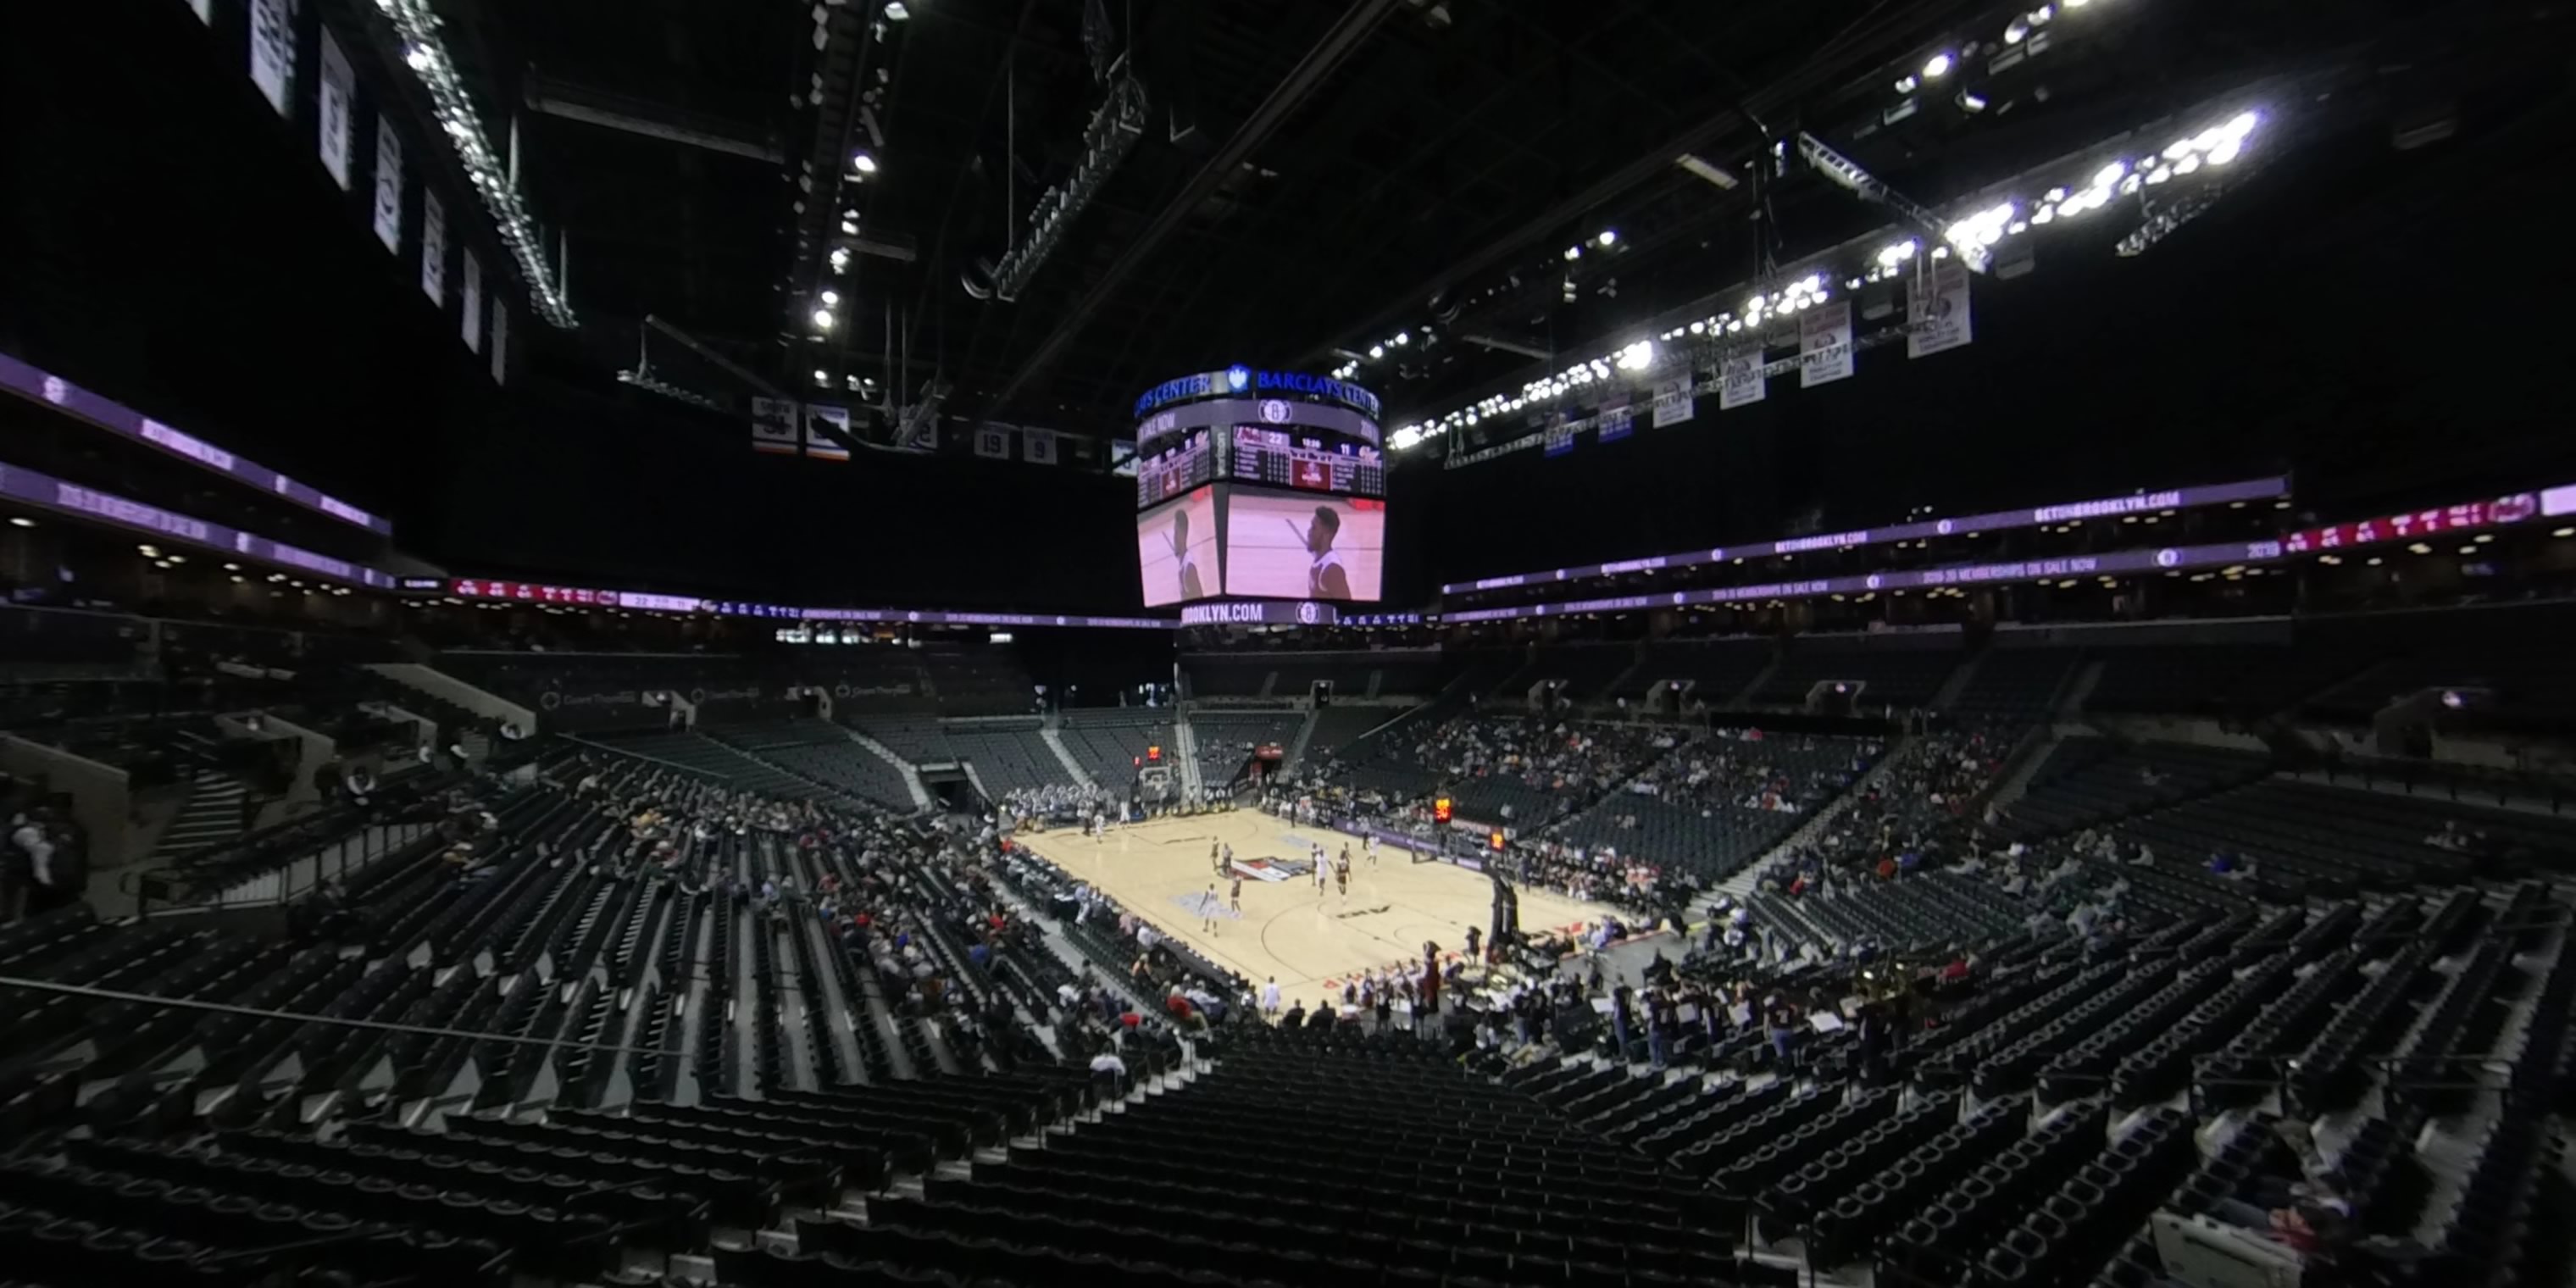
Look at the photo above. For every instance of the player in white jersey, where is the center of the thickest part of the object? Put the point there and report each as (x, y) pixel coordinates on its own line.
(1325, 579)
(1368, 846)
(1207, 909)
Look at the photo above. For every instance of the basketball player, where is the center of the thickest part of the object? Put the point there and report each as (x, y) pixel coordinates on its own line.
(1342, 874)
(1325, 579)
(1236, 899)
(1207, 909)
(1216, 857)
(1368, 846)
(1191, 586)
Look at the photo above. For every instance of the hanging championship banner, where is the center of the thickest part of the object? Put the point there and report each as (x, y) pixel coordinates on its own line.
(1560, 433)
(433, 249)
(1673, 400)
(1936, 310)
(1825, 344)
(500, 339)
(339, 97)
(1740, 382)
(993, 441)
(1616, 419)
(773, 426)
(819, 444)
(472, 326)
(1037, 446)
(389, 185)
(272, 50)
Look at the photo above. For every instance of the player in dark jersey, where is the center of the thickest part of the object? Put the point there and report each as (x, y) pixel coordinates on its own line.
(1237, 898)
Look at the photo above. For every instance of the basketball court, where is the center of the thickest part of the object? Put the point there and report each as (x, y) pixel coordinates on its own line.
(1160, 870)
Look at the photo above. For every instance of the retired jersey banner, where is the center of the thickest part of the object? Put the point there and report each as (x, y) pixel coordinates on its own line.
(389, 185)
(1740, 382)
(339, 98)
(821, 423)
(993, 441)
(433, 248)
(500, 340)
(1673, 400)
(1561, 430)
(472, 326)
(1616, 419)
(1037, 446)
(1936, 310)
(1825, 344)
(272, 50)
(773, 426)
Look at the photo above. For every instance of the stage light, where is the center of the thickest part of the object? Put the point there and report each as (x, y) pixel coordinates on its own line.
(2228, 149)
(849, 228)
(1608, 237)
(830, 298)
(2468, 550)
(1970, 100)
(895, 11)
(823, 319)
(863, 163)
(149, 552)
(1907, 84)
(1937, 66)
(1638, 356)
(416, 24)
(1404, 337)
(840, 259)
(1573, 253)
(822, 377)
(2419, 548)
(2561, 532)
(21, 521)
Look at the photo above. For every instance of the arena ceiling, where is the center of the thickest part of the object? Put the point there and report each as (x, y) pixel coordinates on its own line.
(1308, 177)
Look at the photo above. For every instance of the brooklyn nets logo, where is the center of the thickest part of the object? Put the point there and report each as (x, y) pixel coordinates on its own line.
(1275, 410)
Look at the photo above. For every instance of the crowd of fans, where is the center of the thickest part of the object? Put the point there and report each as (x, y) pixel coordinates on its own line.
(1570, 761)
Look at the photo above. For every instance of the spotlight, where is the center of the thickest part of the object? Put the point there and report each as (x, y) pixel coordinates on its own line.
(1573, 253)
(822, 377)
(831, 298)
(863, 163)
(21, 521)
(895, 11)
(1937, 66)
(1971, 101)
(823, 319)
(1609, 236)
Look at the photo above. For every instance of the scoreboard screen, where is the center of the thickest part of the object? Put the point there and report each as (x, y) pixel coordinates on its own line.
(1305, 461)
(1173, 465)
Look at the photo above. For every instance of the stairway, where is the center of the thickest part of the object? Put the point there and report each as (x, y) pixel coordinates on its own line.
(1957, 684)
(1185, 750)
(1053, 737)
(1305, 734)
(212, 815)
(1741, 884)
(911, 777)
(2072, 698)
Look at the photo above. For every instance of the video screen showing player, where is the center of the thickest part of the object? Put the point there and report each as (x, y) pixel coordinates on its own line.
(1285, 546)
(1176, 550)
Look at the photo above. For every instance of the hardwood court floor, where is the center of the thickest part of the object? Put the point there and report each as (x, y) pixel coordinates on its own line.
(1160, 868)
